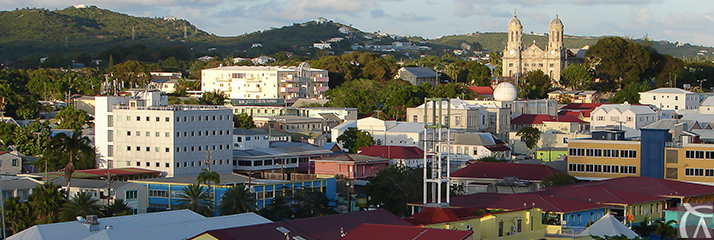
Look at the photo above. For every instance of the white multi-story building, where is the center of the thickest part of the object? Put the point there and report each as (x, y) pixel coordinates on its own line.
(393, 133)
(266, 82)
(142, 131)
(630, 117)
(463, 116)
(670, 99)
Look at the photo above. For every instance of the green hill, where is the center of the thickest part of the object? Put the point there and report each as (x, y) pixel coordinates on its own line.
(32, 33)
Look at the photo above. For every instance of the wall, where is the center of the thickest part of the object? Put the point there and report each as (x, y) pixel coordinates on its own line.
(602, 160)
(652, 152)
(487, 227)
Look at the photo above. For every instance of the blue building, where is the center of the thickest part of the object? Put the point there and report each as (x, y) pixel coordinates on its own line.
(164, 192)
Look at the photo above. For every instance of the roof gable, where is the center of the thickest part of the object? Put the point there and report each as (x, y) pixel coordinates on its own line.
(496, 170)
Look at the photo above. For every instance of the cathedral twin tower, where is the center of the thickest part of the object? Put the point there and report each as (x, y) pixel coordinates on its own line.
(519, 59)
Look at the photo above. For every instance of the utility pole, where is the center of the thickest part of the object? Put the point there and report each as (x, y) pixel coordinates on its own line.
(208, 159)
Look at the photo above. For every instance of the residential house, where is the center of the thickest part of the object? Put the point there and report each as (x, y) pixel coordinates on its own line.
(322, 45)
(575, 96)
(580, 110)
(628, 117)
(418, 75)
(501, 177)
(671, 99)
(10, 162)
(246, 139)
(262, 60)
(707, 106)
(352, 166)
(471, 146)
(408, 156)
(393, 133)
(20, 187)
(483, 92)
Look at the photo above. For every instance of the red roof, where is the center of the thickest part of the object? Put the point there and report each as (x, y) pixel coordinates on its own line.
(540, 118)
(323, 228)
(482, 90)
(657, 186)
(599, 193)
(582, 106)
(392, 152)
(523, 201)
(497, 170)
(388, 232)
(431, 215)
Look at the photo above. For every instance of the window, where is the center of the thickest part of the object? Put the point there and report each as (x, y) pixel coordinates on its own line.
(131, 195)
(157, 164)
(167, 164)
(166, 119)
(148, 134)
(676, 98)
(629, 119)
(166, 134)
(157, 119)
(158, 134)
(614, 119)
(128, 133)
(138, 148)
(128, 148)
(138, 118)
(601, 118)
(628, 153)
(457, 120)
(138, 133)
(148, 149)
(14, 162)
(148, 118)
(166, 149)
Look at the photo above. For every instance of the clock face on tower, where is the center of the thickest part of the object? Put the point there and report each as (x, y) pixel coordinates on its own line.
(552, 52)
(512, 52)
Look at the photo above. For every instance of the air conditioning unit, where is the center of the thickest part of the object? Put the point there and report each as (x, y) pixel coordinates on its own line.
(92, 219)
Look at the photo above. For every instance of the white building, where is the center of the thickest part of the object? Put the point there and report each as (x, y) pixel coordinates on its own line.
(322, 45)
(463, 116)
(670, 99)
(134, 195)
(246, 139)
(266, 82)
(707, 106)
(142, 131)
(392, 133)
(630, 117)
(469, 146)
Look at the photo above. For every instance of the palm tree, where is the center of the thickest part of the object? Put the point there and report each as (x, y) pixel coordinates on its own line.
(666, 229)
(81, 204)
(117, 208)
(207, 176)
(237, 199)
(78, 151)
(46, 201)
(194, 198)
(18, 214)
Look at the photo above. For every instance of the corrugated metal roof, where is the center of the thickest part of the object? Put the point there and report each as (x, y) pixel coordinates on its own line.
(389, 232)
(392, 152)
(476, 139)
(668, 90)
(421, 71)
(77, 230)
(318, 228)
(496, 170)
(180, 230)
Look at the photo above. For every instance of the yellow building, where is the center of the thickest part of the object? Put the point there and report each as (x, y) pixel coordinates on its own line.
(516, 224)
(596, 159)
(691, 162)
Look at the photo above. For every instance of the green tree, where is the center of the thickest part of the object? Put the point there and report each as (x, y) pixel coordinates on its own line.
(132, 73)
(7, 135)
(451, 90)
(243, 120)
(666, 229)
(576, 76)
(194, 198)
(398, 95)
(118, 207)
(18, 215)
(46, 202)
(643, 229)
(277, 210)
(619, 60)
(308, 202)
(206, 176)
(81, 204)
(559, 179)
(531, 136)
(237, 199)
(72, 152)
(362, 94)
(394, 187)
(353, 139)
(213, 98)
(71, 118)
(630, 94)
(479, 75)
(30, 140)
(536, 85)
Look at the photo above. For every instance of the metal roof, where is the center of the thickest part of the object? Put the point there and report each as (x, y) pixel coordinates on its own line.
(179, 230)
(245, 132)
(226, 179)
(668, 90)
(77, 230)
(420, 71)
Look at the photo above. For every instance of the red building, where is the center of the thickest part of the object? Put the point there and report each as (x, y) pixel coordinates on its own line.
(352, 166)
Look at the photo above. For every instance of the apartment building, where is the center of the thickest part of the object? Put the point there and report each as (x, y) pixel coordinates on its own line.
(266, 82)
(628, 117)
(463, 115)
(671, 99)
(606, 155)
(142, 131)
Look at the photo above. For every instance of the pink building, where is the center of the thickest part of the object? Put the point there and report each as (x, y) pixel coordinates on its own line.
(352, 166)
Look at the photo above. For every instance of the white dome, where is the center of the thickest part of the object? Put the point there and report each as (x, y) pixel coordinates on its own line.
(505, 91)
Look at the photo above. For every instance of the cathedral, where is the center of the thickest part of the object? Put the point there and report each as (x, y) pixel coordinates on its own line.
(519, 59)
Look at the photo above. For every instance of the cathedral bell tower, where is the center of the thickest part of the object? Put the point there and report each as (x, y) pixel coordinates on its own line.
(556, 50)
(512, 53)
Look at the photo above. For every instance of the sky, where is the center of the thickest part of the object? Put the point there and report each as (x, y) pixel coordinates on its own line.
(687, 21)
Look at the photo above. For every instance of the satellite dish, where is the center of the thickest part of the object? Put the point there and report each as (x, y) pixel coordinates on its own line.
(80, 219)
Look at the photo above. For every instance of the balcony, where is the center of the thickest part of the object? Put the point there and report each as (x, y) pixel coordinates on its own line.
(292, 89)
(321, 89)
(322, 79)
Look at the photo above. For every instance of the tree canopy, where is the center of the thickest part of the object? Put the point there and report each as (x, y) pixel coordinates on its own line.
(394, 187)
(353, 139)
(577, 76)
(529, 135)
